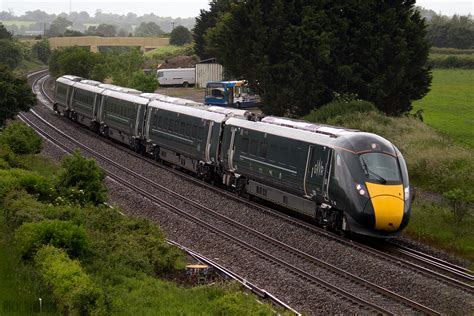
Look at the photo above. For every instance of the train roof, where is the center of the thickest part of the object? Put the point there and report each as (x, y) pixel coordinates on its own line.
(165, 98)
(69, 80)
(200, 112)
(119, 88)
(72, 77)
(229, 111)
(333, 131)
(125, 96)
(91, 82)
(88, 87)
(283, 131)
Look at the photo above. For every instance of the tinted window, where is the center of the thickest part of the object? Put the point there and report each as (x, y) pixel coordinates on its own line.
(245, 145)
(380, 167)
(253, 147)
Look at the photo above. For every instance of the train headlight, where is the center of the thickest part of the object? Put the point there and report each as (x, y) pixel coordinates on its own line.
(407, 193)
(361, 189)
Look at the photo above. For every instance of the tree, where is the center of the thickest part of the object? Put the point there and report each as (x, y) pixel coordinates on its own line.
(42, 50)
(143, 82)
(455, 32)
(105, 30)
(10, 52)
(76, 61)
(15, 95)
(299, 54)
(205, 21)
(180, 36)
(59, 26)
(4, 33)
(148, 29)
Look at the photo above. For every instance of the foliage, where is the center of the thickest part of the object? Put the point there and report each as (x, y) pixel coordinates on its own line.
(21, 139)
(168, 52)
(457, 198)
(10, 52)
(180, 36)
(59, 26)
(42, 50)
(454, 32)
(143, 82)
(15, 95)
(457, 60)
(83, 176)
(207, 20)
(122, 66)
(30, 237)
(4, 33)
(74, 290)
(336, 108)
(148, 29)
(448, 107)
(76, 61)
(301, 53)
(105, 30)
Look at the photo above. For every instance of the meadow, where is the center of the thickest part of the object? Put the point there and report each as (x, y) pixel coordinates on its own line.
(449, 106)
(18, 23)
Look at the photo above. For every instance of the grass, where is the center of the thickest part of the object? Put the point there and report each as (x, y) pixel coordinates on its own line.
(170, 51)
(435, 224)
(449, 106)
(27, 66)
(18, 23)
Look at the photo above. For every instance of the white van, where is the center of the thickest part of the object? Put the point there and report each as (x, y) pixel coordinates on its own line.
(177, 77)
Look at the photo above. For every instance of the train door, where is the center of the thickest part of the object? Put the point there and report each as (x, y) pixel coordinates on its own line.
(317, 172)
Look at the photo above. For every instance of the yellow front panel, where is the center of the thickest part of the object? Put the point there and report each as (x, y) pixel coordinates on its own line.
(388, 204)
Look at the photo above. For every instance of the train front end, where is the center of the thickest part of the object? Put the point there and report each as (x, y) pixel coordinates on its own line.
(375, 178)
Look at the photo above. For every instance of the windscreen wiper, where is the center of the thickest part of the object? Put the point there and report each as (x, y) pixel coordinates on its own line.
(368, 171)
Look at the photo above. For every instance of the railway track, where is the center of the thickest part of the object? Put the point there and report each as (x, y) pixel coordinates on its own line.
(408, 307)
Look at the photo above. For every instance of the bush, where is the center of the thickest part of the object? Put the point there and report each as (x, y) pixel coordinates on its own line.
(21, 179)
(338, 108)
(143, 82)
(73, 289)
(21, 139)
(29, 237)
(42, 50)
(452, 61)
(80, 180)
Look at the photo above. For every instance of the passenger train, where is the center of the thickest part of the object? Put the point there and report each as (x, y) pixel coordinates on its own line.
(344, 179)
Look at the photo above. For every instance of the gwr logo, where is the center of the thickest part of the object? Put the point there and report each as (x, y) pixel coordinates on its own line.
(318, 169)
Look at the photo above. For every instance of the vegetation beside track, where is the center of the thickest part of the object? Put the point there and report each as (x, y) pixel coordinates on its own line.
(59, 243)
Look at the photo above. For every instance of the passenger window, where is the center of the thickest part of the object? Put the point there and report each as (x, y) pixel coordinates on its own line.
(170, 127)
(245, 145)
(263, 150)
(283, 156)
(182, 128)
(160, 120)
(176, 126)
(199, 134)
(194, 132)
(188, 130)
(165, 123)
(253, 147)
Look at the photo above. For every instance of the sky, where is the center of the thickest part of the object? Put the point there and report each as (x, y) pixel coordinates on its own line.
(180, 8)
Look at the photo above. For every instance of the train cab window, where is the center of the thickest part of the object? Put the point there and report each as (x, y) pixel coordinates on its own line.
(245, 145)
(253, 147)
(380, 167)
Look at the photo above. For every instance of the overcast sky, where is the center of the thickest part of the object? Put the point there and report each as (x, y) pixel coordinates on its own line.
(179, 8)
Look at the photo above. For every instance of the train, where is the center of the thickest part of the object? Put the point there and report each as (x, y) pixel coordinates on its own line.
(347, 180)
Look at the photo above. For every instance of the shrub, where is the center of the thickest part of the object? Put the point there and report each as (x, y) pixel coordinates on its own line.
(143, 82)
(338, 108)
(72, 287)
(21, 139)
(21, 179)
(80, 180)
(29, 237)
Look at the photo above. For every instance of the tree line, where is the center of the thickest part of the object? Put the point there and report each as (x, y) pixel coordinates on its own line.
(454, 32)
(301, 54)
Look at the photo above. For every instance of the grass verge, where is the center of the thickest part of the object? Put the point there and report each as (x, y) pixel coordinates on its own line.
(449, 106)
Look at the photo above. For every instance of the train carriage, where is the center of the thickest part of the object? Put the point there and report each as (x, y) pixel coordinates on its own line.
(85, 104)
(63, 92)
(185, 136)
(121, 117)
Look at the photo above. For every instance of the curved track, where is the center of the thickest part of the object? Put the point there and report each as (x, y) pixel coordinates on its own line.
(391, 302)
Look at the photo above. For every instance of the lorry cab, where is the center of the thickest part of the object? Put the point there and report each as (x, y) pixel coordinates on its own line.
(235, 94)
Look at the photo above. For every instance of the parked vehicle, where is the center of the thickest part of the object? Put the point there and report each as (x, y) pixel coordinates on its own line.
(235, 94)
(176, 77)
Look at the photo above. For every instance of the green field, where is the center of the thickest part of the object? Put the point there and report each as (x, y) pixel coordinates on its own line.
(449, 106)
(18, 23)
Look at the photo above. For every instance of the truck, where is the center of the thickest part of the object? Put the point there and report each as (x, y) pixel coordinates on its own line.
(235, 94)
(176, 77)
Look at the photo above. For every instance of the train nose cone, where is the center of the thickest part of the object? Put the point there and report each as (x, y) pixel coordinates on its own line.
(388, 205)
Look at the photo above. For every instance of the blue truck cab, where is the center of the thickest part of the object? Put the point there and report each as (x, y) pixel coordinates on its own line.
(235, 94)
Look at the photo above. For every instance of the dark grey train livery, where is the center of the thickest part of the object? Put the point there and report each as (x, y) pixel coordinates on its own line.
(345, 179)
